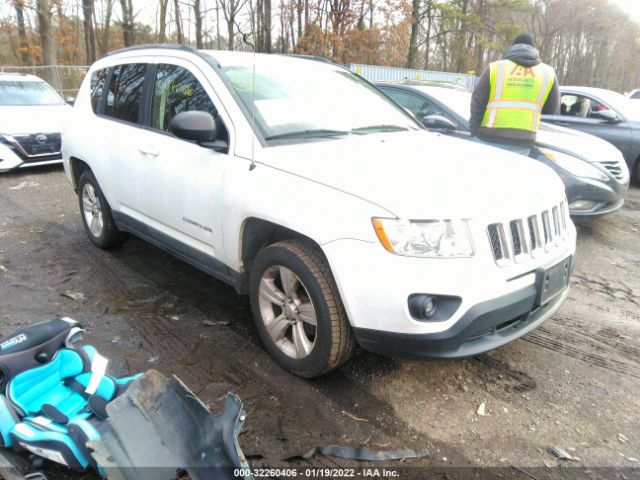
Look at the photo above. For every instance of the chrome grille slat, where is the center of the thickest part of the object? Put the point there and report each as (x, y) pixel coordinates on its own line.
(518, 239)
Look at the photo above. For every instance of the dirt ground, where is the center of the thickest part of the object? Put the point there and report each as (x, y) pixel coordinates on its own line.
(574, 383)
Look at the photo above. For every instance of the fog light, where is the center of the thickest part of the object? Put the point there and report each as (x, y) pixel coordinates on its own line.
(582, 205)
(422, 307)
(432, 308)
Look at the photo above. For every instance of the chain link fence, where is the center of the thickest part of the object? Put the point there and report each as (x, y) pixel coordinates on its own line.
(374, 73)
(65, 79)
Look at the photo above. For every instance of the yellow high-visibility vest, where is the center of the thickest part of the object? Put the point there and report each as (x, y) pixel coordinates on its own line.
(517, 95)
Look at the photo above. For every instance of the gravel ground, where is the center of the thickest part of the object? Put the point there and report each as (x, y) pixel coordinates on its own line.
(571, 384)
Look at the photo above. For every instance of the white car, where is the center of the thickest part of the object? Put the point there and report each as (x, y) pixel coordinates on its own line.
(30, 118)
(634, 94)
(322, 200)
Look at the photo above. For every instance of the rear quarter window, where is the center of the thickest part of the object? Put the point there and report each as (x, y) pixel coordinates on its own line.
(98, 79)
(124, 95)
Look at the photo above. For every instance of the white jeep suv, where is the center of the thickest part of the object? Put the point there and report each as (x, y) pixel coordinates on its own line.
(306, 188)
(31, 114)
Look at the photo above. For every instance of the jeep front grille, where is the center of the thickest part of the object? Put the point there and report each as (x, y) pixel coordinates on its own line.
(522, 238)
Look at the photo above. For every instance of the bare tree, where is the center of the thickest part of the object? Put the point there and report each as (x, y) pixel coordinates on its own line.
(230, 10)
(89, 33)
(412, 57)
(127, 22)
(178, 20)
(47, 38)
(103, 40)
(25, 51)
(197, 13)
(162, 21)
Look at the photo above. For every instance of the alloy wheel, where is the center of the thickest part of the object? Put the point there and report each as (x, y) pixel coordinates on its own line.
(287, 312)
(92, 210)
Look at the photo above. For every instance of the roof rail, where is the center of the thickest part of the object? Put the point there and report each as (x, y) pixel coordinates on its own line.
(316, 58)
(167, 46)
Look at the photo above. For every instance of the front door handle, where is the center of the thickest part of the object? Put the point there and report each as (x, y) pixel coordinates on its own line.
(149, 150)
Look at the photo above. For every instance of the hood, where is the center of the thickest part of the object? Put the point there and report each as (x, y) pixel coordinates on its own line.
(588, 147)
(523, 54)
(418, 174)
(32, 118)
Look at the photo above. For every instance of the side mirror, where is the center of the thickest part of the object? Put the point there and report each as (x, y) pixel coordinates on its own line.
(70, 100)
(438, 122)
(195, 126)
(608, 116)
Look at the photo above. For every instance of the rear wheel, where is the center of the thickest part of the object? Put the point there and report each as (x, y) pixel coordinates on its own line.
(96, 214)
(297, 309)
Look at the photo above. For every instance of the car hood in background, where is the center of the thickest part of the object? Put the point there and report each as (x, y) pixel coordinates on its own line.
(32, 119)
(588, 147)
(424, 175)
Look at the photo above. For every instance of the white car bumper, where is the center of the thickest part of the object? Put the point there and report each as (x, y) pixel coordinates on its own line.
(485, 305)
(11, 160)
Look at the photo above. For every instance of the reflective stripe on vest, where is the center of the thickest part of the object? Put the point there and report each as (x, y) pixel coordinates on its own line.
(517, 95)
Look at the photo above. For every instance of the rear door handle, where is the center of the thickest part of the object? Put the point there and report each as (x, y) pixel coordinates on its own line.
(149, 150)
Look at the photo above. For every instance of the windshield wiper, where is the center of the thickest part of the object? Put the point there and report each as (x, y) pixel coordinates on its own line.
(315, 133)
(379, 128)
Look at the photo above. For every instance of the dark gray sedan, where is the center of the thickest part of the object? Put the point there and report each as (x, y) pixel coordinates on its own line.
(593, 171)
(606, 114)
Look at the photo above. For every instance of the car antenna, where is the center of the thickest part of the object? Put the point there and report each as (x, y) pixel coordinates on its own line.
(245, 40)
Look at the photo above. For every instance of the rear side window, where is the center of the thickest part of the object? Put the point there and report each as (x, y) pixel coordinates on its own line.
(98, 79)
(124, 95)
(177, 90)
(636, 95)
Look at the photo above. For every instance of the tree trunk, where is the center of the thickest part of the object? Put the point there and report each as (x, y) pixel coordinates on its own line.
(230, 26)
(106, 28)
(218, 37)
(267, 26)
(178, 19)
(412, 57)
(47, 40)
(25, 51)
(198, 22)
(162, 20)
(89, 33)
(127, 22)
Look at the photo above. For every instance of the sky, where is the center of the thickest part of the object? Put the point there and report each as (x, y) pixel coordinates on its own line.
(632, 7)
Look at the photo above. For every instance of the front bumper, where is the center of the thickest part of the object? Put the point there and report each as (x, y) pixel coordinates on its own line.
(12, 159)
(486, 326)
(607, 195)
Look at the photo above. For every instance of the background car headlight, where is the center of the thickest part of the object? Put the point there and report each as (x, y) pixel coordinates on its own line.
(574, 165)
(424, 238)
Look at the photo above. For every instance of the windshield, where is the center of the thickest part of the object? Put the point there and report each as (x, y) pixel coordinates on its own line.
(17, 92)
(300, 98)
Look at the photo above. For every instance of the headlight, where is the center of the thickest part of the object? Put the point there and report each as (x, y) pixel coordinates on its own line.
(424, 238)
(574, 165)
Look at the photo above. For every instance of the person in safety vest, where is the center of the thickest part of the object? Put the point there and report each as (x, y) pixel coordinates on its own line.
(510, 97)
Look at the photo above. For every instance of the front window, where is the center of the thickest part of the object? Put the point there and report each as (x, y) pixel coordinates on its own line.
(177, 90)
(297, 98)
(20, 92)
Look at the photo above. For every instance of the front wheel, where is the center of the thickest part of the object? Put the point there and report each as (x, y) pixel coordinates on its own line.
(298, 310)
(96, 214)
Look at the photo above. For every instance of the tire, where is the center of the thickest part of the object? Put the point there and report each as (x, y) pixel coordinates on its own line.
(288, 312)
(96, 214)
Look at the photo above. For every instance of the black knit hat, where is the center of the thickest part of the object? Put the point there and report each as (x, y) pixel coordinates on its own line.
(525, 38)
